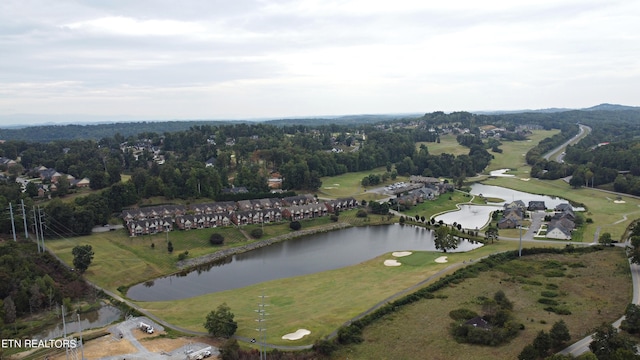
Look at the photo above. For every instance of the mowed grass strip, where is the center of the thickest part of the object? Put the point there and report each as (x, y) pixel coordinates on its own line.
(596, 288)
(448, 145)
(513, 153)
(319, 302)
(349, 184)
(121, 260)
(607, 215)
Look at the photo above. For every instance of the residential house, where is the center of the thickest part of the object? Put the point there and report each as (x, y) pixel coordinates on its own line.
(210, 162)
(507, 223)
(536, 205)
(478, 322)
(517, 204)
(557, 231)
(515, 214)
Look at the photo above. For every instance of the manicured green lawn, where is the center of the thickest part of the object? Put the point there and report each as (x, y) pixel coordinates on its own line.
(319, 302)
(123, 260)
(443, 203)
(349, 184)
(448, 145)
(513, 153)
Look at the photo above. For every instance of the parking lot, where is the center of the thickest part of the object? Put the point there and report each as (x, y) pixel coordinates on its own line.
(126, 340)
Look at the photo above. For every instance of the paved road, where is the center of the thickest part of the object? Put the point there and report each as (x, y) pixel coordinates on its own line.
(584, 131)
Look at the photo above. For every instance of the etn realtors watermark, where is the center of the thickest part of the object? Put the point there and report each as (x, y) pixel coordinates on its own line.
(39, 344)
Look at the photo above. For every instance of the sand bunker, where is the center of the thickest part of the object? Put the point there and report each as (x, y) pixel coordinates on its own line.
(391, 263)
(619, 201)
(525, 179)
(401, 253)
(442, 259)
(299, 334)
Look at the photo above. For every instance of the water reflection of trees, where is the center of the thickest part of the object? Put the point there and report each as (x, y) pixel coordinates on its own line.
(149, 283)
(206, 267)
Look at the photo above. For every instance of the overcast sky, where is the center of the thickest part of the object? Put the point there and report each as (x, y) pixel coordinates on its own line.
(221, 59)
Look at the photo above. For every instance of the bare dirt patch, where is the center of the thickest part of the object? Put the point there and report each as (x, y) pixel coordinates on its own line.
(159, 345)
(102, 347)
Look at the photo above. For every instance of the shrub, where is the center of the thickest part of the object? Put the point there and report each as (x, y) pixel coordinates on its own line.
(256, 233)
(547, 301)
(554, 273)
(462, 314)
(560, 310)
(295, 225)
(216, 239)
(350, 335)
(334, 217)
(183, 255)
(361, 213)
(551, 286)
(325, 347)
(549, 294)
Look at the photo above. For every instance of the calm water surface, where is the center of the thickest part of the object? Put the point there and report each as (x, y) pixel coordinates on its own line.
(302, 256)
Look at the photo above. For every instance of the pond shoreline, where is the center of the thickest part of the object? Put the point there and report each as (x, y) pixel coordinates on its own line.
(191, 264)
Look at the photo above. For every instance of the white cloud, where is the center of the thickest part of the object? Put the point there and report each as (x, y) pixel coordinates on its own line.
(208, 58)
(128, 26)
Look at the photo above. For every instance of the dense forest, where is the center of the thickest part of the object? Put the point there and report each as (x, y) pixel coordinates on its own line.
(198, 163)
(30, 283)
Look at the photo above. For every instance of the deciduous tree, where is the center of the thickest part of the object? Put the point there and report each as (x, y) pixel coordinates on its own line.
(220, 322)
(82, 257)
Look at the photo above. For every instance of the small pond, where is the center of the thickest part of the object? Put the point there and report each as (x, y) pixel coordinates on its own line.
(509, 195)
(106, 315)
(301, 256)
(476, 216)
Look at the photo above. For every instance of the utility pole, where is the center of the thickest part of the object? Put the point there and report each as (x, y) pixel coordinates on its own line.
(35, 228)
(24, 218)
(13, 224)
(520, 250)
(262, 329)
(41, 231)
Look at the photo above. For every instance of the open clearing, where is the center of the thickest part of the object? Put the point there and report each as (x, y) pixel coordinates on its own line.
(596, 288)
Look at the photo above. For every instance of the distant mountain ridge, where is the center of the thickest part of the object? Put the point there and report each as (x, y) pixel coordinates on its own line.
(96, 131)
(600, 107)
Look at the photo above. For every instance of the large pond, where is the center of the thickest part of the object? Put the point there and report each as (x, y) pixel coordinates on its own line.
(302, 256)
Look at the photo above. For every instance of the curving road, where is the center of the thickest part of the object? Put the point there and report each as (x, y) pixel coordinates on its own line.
(559, 151)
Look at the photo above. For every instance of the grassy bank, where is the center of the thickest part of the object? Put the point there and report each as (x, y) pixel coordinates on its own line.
(319, 302)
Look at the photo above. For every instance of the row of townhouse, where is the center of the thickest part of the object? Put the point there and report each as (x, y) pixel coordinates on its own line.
(166, 218)
(216, 207)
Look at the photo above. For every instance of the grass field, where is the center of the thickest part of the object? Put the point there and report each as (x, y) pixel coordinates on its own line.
(349, 184)
(513, 153)
(595, 287)
(443, 203)
(319, 302)
(448, 145)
